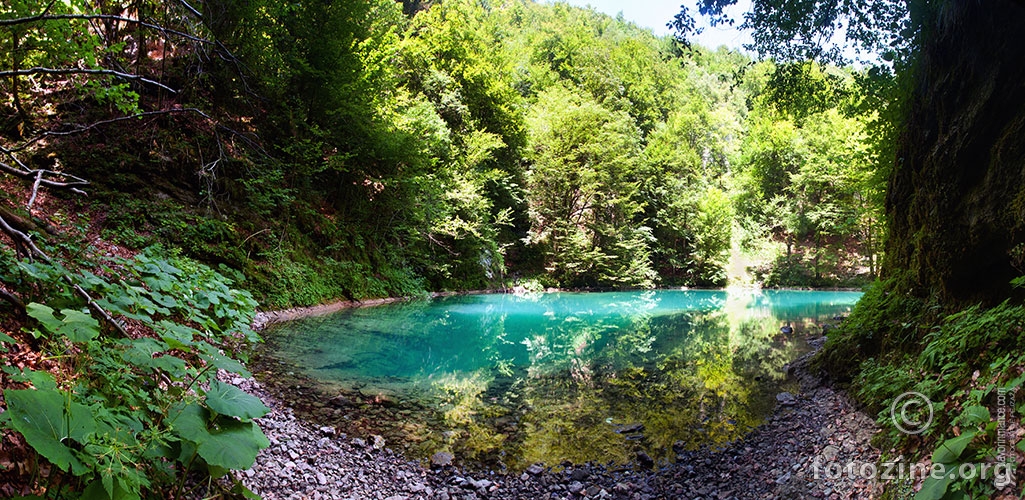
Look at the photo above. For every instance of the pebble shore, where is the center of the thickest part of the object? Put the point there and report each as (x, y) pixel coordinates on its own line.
(799, 452)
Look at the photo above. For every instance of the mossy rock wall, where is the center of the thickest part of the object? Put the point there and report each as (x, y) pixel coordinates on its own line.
(956, 201)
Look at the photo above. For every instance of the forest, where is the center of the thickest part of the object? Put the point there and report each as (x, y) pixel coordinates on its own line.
(413, 156)
(168, 167)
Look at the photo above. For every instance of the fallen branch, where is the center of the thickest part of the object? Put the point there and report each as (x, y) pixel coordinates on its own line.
(23, 239)
(35, 189)
(79, 71)
(39, 176)
(25, 225)
(84, 128)
(13, 299)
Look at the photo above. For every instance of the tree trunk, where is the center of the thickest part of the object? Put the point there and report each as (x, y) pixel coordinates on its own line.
(15, 79)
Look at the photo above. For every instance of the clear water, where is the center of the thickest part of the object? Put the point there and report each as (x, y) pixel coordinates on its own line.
(520, 379)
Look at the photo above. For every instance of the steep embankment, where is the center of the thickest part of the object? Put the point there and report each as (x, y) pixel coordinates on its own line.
(956, 198)
(956, 201)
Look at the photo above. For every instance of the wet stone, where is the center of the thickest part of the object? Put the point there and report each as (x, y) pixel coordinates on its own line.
(575, 487)
(786, 399)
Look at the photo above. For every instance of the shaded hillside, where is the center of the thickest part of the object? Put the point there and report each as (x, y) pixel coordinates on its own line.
(956, 198)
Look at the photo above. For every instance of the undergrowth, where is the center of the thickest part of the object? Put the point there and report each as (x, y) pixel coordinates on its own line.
(945, 388)
(131, 411)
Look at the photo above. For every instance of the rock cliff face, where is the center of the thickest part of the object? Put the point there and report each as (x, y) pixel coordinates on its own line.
(956, 200)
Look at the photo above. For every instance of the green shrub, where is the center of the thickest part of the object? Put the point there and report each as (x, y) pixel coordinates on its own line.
(138, 412)
(961, 362)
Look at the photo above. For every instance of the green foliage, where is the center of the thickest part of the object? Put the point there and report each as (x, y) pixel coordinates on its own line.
(582, 191)
(809, 181)
(76, 325)
(46, 418)
(219, 440)
(137, 404)
(886, 319)
(297, 282)
(420, 147)
(965, 363)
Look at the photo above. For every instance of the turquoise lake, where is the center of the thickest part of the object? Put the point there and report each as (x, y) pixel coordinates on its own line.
(513, 379)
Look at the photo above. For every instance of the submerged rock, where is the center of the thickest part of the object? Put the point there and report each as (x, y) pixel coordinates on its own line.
(644, 460)
(630, 428)
(786, 399)
(340, 401)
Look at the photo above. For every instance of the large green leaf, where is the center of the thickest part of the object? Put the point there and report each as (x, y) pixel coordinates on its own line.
(103, 489)
(190, 421)
(149, 353)
(79, 326)
(177, 336)
(90, 281)
(6, 338)
(44, 315)
(76, 325)
(229, 443)
(951, 449)
(220, 361)
(227, 399)
(975, 415)
(46, 420)
(233, 444)
(38, 379)
(934, 488)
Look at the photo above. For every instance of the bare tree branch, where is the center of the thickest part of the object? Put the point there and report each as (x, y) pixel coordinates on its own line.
(12, 298)
(102, 17)
(27, 174)
(25, 171)
(191, 9)
(35, 188)
(77, 129)
(226, 53)
(78, 71)
(24, 239)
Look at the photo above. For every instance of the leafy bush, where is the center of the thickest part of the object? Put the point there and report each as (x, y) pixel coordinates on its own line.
(961, 362)
(886, 320)
(139, 411)
(300, 281)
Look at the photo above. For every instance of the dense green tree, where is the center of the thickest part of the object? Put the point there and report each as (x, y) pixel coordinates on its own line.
(682, 156)
(807, 180)
(582, 192)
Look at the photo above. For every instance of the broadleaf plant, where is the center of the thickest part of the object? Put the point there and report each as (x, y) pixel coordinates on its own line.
(134, 415)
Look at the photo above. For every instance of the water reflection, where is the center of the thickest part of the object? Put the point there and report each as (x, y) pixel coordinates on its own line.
(565, 376)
